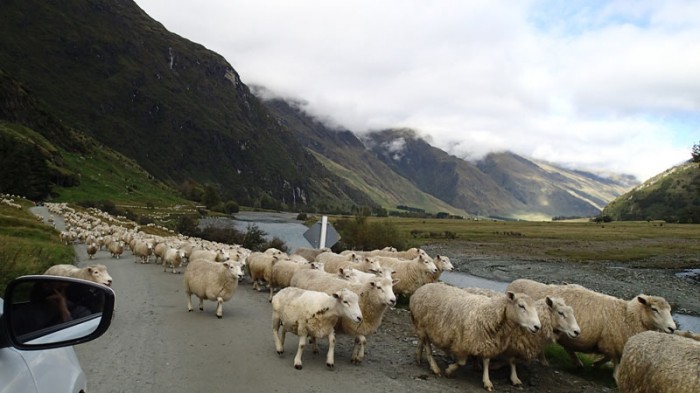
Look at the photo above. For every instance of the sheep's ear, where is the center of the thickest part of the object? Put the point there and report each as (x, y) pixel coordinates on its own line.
(336, 295)
(642, 299)
(394, 282)
(90, 269)
(549, 302)
(510, 295)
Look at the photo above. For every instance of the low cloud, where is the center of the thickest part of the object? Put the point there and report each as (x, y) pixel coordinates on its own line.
(610, 86)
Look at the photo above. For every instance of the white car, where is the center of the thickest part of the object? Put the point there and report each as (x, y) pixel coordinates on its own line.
(41, 318)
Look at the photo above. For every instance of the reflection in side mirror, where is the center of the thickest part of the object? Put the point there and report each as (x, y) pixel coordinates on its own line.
(47, 312)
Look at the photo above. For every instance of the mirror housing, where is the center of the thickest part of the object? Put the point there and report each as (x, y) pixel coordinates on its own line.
(43, 312)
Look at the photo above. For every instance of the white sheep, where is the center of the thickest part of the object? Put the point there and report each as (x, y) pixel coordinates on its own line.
(311, 314)
(376, 296)
(654, 362)
(364, 264)
(411, 253)
(411, 274)
(355, 275)
(211, 281)
(282, 270)
(142, 250)
(219, 255)
(159, 251)
(310, 253)
(443, 264)
(96, 273)
(556, 318)
(92, 250)
(173, 257)
(116, 248)
(259, 266)
(331, 259)
(606, 322)
(463, 324)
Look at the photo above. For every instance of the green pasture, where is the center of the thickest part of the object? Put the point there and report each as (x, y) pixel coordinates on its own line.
(27, 246)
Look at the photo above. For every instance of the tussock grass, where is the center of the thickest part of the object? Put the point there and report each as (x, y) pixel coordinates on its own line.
(27, 246)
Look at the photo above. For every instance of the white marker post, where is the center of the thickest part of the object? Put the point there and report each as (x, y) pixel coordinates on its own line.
(324, 226)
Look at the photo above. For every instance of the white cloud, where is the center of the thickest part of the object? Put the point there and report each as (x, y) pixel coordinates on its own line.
(607, 85)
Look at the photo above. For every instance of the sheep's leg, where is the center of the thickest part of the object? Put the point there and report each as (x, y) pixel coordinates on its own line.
(419, 350)
(543, 359)
(358, 351)
(330, 362)
(314, 342)
(189, 302)
(514, 373)
(428, 347)
(302, 342)
(454, 366)
(201, 304)
(601, 361)
(279, 342)
(574, 358)
(485, 378)
(219, 307)
(272, 292)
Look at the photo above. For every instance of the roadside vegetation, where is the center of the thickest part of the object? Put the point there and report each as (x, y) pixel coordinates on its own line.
(27, 246)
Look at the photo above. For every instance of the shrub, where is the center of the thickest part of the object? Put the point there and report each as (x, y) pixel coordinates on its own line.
(360, 234)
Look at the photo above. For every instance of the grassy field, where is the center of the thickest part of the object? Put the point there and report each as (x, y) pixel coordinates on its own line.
(27, 246)
(641, 242)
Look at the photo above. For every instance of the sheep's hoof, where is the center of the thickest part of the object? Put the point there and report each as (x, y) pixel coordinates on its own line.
(280, 352)
(189, 310)
(219, 316)
(330, 365)
(297, 366)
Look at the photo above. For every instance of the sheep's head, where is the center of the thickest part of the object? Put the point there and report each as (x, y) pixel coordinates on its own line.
(98, 274)
(656, 313)
(521, 310)
(563, 320)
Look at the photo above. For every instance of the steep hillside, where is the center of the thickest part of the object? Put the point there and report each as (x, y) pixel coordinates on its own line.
(181, 111)
(550, 190)
(345, 155)
(501, 185)
(42, 158)
(673, 196)
(448, 178)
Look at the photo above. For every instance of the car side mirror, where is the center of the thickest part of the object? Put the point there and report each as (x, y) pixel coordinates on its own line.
(42, 312)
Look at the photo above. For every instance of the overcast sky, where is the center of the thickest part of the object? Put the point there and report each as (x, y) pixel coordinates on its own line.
(597, 85)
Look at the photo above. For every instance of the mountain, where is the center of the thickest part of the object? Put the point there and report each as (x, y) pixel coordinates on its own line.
(673, 196)
(344, 154)
(179, 110)
(398, 167)
(548, 190)
(432, 170)
(81, 75)
(502, 184)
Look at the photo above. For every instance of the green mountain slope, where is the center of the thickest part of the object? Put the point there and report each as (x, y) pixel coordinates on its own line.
(673, 196)
(501, 185)
(179, 110)
(345, 155)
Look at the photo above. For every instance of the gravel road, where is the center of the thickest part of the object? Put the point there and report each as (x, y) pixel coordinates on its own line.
(155, 345)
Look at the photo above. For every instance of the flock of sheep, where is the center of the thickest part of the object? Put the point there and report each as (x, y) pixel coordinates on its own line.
(316, 294)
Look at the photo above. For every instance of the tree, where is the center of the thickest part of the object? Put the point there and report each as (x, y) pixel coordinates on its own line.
(211, 196)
